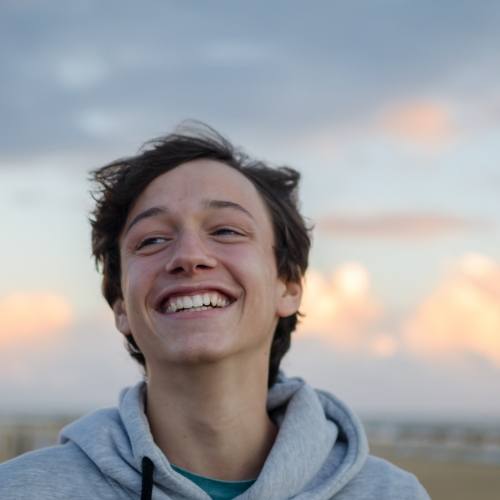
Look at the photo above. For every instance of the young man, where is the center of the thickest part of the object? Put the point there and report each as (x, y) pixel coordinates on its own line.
(203, 251)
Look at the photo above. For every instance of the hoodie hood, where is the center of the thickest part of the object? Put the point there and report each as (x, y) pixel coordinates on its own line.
(319, 448)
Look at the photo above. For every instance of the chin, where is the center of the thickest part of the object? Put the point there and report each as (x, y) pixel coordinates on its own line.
(195, 350)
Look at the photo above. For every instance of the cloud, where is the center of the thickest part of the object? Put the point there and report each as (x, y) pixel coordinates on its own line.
(27, 318)
(341, 309)
(340, 69)
(398, 225)
(99, 123)
(461, 317)
(424, 123)
(80, 72)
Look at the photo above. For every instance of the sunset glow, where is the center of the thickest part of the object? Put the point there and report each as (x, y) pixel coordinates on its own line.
(337, 308)
(389, 113)
(397, 225)
(421, 122)
(32, 317)
(462, 315)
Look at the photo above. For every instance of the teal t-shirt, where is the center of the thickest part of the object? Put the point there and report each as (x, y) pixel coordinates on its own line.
(218, 490)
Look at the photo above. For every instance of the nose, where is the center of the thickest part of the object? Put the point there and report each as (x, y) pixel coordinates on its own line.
(189, 255)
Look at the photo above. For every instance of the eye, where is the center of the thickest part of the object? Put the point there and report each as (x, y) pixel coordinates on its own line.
(153, 240)
(227, 231)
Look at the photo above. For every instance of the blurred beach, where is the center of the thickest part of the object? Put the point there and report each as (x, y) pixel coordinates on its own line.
(459, 461)
(454, 461)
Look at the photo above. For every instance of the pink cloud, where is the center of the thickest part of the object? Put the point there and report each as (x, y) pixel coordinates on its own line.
(341, 309)
(27, 317)
(398, 225)
(422, 122)
(462, 315)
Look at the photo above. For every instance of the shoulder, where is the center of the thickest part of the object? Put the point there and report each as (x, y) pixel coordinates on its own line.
(57, 472)
(379, 479)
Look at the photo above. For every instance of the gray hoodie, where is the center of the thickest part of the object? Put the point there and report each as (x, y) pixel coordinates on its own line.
(320, 453)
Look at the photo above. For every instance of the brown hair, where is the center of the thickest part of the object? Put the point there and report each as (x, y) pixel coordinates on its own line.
(120, 183)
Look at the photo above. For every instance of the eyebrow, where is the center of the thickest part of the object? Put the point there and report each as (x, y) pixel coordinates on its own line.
(227, 204)
(150, 212)
(156, 211)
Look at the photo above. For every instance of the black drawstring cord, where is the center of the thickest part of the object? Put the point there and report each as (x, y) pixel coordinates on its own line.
(147, 478)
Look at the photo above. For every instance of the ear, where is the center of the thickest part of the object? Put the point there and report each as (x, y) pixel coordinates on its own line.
(121, 320)
(289, 301)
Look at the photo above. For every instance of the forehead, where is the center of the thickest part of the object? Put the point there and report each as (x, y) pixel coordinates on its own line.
(193, 184)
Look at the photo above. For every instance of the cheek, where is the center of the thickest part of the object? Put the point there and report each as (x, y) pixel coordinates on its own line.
(259, 276)
(254, 264)
(135, 279)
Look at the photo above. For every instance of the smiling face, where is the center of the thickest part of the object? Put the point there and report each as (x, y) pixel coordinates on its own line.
(199, 278)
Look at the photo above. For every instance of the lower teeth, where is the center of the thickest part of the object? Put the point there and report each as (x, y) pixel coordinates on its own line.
(202, 308)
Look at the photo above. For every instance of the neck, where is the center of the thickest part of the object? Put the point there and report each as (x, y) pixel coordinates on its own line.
(212, 420)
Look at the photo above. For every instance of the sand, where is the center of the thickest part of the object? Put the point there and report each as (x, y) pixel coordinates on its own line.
(451, 481)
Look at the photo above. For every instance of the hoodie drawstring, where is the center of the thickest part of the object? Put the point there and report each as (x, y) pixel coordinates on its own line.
(147, 478)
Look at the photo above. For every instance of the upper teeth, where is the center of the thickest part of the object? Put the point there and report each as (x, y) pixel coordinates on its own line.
(213, 299)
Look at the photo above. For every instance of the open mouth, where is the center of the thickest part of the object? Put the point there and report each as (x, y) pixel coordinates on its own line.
(202, 301)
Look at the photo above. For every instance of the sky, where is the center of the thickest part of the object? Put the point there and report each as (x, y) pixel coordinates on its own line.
(389, 109)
